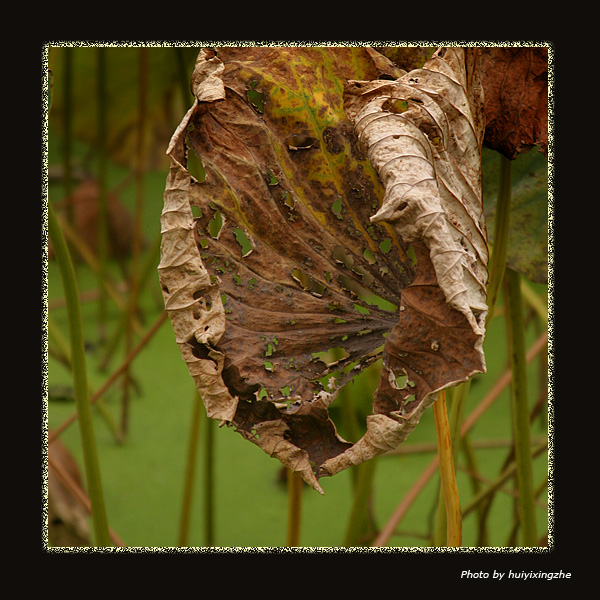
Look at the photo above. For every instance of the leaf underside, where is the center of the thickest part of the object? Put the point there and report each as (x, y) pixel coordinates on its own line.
(285, 266)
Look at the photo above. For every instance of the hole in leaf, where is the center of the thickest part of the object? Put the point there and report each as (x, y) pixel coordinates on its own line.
(362, 309)
(395, 105)
(386, 245)
(308, 283)
(196, 212)
(401, 380)
(333, 305)
(411, 254)
(332, 356)
(243, 241)
(300, 141)
(216, 225)
(336, 209)
(194, 163)
(367, 277)
(364, 294)
(255, 97)
(340, 256)
(369, 257)
(288, 199)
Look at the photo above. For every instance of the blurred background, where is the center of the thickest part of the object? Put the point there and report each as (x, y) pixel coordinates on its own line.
(170, 476)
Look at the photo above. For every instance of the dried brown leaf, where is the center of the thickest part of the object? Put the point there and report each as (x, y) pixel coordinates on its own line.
(279, 285)
(515, 82)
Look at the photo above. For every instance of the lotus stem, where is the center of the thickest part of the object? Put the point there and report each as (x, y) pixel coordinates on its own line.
(80, 382)
(360, 523)
(447, 475)
(209, 479)
(295, 484)
(501, 228)
(102, 198)
(520, 407)
(190, 471)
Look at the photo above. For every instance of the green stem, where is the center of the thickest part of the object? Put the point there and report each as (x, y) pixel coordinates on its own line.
(471, 465)
(457, 397)
(134, 284)
(295, 484)
(68, 131)
(447, 475)
(102, 198)
(501, 228)
(80, 382)
(209, 480)
(190, 471)
(360, 523)
(520, 407)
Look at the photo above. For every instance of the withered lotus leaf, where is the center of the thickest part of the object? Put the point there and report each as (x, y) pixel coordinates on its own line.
(285, 264)
(515, 84)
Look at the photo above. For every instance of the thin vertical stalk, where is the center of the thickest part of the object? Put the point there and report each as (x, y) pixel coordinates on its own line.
(501, 228)
(471, 465)
(209, 480)
(457, 397)
(190, 471)
(80, 382)
(447, 475)
(360, 523)
(102, 197)
(134, 284)
(184, 79)
(68, 131)
(140, 152)
(295, 484)
(520, 407)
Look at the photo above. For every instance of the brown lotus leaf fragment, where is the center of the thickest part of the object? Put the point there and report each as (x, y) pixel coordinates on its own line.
(515, 82)
(279, 284)
(67, 519)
